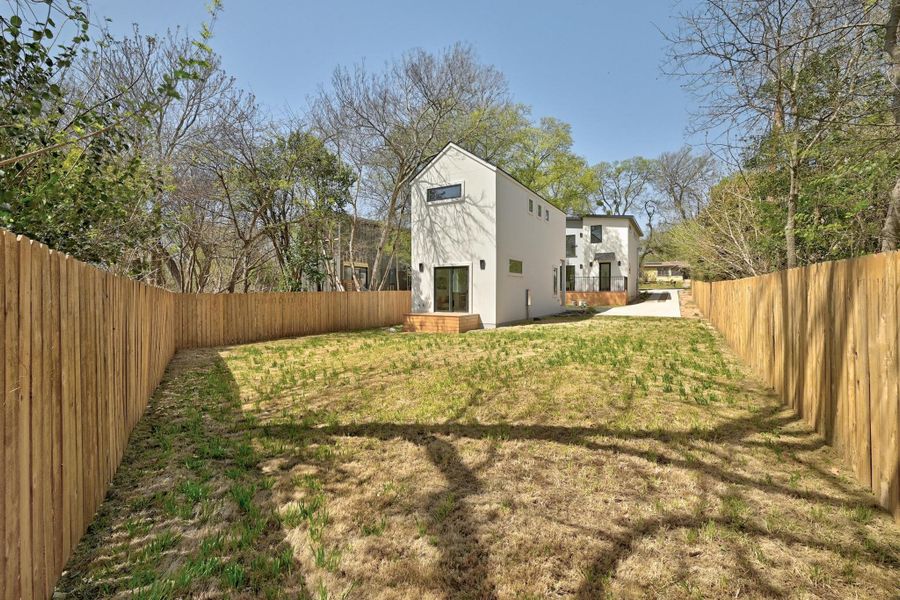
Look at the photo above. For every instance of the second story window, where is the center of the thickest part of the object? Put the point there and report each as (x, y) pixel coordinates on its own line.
(546, 215)
(447, 192)
(539, 210)
(596, 234)
(570, 246)
(530, 205)
(515, 266)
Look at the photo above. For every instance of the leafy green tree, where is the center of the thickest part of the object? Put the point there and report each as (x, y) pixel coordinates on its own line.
(299, 189)
(622, 185)
(69, 172)
(541, 157)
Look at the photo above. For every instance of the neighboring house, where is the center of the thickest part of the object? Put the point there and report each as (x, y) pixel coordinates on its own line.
(365, 247)
(671, 271)
(602, 259)
(485, 248)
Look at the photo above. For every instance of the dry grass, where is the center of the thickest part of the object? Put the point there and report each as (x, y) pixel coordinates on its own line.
(605, 457)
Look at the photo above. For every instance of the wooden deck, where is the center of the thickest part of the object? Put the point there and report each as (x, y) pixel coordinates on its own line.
(598, 298)
(442, 322)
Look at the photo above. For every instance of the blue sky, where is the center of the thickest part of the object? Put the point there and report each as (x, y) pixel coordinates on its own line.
(594, 64)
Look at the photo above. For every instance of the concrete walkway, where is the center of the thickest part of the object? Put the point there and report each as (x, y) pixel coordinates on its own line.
(659, 303)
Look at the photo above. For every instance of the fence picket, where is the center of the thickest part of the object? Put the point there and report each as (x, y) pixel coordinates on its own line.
(83, 351)
(831, 352)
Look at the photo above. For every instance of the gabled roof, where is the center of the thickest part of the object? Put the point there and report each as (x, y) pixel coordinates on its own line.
(455, 146)
(630, 218)
(485, 163)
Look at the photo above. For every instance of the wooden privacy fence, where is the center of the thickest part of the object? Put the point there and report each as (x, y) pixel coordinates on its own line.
(83, 351)
(826, 338)
(220, 319)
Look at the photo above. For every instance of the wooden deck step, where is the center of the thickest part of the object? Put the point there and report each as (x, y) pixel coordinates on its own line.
(441, 322)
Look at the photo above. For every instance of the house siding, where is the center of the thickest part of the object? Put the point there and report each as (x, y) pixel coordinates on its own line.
(619, 237)
(456, 233)
(537, 242)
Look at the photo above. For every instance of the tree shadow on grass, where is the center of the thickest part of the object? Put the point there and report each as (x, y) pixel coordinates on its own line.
(464, 553)
(195, 433)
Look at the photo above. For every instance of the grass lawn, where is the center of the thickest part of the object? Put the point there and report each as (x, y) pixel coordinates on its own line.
(604, 457)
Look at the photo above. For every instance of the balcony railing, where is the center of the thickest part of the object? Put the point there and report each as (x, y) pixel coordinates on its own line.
(616, 283)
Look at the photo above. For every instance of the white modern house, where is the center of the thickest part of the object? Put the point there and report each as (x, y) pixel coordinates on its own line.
(602, 264)
(486, 250)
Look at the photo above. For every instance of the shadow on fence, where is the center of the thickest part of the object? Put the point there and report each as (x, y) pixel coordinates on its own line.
(825, 337)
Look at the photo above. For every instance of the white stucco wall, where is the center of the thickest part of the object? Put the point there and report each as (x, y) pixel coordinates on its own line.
(537, 242)
(456, 233)
(619, 237)
(634, 263)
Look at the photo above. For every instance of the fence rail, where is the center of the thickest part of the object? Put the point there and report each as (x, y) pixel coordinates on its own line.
(617, 283)
(826, 338)
(83, 351)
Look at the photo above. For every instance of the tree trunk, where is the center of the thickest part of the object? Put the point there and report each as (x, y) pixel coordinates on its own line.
(789, 226)
(891, 229)
(386, 227)
(172, 266)
(890, 232)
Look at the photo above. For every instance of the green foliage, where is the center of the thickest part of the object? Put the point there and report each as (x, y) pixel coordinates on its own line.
(299, 189)
(69, 172)
(622, 186)
(541, 157)
(844, 198)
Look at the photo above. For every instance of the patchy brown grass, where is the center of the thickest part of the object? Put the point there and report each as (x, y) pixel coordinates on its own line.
(689, 308)
(605, 457)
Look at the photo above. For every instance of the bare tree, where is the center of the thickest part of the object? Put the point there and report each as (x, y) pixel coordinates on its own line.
(783, 71)
(169, 137)
(727, 240)
(684, 179)
(390, 123)
(890, 232)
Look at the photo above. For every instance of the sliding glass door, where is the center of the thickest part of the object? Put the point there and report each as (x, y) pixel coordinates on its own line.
(451, 289)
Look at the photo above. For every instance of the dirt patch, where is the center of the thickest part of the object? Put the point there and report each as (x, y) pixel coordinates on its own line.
(689, 309)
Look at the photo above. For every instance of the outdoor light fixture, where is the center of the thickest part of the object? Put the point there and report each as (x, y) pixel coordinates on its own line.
(421, 267)
(619, 263)
(481, 262)
(592, 264)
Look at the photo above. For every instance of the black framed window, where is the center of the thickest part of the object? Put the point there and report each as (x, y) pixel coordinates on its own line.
(570, 246)
(539, 210)
(446, 192)
(596, 234)
(530, 205)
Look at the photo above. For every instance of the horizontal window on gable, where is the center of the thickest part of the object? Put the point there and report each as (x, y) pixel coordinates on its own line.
(446, 192)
